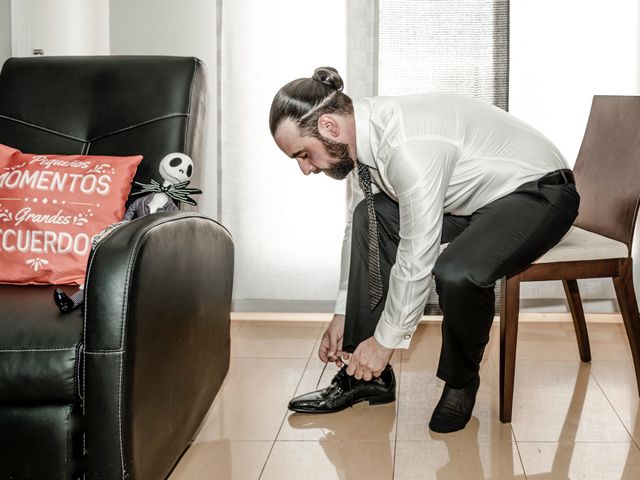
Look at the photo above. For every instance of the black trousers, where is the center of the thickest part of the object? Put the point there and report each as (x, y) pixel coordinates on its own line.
(498, 240)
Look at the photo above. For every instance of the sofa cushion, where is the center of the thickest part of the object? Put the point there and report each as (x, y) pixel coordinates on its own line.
(39, 347)
(51, 206)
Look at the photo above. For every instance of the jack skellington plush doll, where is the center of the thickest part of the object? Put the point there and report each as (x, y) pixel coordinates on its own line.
(176, 170)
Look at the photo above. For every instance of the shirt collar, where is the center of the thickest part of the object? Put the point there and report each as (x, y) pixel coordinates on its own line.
(362, 116)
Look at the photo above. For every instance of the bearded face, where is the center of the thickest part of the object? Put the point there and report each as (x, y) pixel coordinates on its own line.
(340, 151)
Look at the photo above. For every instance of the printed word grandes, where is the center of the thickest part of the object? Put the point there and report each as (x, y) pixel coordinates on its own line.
(56, 181)
(26, 215)
(44, 241)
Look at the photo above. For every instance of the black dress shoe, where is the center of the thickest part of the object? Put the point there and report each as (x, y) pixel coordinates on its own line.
(346, 391)
(64, 303)
(455, 406)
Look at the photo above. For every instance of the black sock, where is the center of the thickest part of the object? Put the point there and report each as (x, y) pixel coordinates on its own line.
(454, 408)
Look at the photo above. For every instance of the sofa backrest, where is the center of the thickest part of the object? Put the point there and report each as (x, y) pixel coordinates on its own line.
(106, 105)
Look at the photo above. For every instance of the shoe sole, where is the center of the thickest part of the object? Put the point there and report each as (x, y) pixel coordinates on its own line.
(456, 428)
(377, 400)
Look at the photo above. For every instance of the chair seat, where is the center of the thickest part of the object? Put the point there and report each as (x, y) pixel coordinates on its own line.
(579, 244)
(38, 347)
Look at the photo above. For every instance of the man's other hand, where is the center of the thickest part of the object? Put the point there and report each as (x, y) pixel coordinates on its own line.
(331, 344)
(369, 360)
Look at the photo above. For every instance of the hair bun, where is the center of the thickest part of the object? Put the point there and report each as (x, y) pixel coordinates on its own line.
(329, 76)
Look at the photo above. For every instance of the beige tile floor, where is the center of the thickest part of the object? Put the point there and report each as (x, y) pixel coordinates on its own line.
(570, 420)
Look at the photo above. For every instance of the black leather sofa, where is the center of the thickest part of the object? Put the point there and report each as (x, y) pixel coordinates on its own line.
(119, 390)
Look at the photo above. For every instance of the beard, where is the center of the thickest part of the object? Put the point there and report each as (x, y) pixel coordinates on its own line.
(339, 151)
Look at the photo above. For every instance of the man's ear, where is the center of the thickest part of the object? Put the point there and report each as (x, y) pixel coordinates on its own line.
(328, 125)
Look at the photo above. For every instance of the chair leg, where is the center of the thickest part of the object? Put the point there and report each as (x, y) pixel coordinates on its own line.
(577, 314)
(509, 310)
(629, 308)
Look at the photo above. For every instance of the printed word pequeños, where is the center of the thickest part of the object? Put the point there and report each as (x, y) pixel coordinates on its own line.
(54, 162)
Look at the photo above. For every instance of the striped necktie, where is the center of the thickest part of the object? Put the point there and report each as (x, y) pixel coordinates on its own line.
(375, 277)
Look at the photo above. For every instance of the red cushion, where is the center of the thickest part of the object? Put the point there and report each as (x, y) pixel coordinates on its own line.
(51, 206)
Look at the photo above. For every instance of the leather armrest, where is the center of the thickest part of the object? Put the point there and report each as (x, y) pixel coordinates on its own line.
(156, 340)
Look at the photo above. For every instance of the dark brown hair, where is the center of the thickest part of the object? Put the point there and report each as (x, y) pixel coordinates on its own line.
(306, 99)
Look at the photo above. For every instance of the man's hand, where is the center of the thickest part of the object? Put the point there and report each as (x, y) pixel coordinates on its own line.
(369, 360)
(331, 344)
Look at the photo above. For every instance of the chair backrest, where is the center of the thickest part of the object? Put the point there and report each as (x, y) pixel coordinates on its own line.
(607, 169)
(106, 105)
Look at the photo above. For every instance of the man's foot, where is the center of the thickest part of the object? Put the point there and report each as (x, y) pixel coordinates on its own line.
(64, 303)
(454, 408)
(346, 391)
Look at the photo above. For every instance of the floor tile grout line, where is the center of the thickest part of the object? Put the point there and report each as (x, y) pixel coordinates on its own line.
(524, 471)
(577, 442)
(304, 370)
(270, 358)
(395, 437)
(324, 440)
(266, 460)
(633, 440)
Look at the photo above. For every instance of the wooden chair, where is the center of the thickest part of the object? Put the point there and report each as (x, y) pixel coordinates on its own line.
(607, 173)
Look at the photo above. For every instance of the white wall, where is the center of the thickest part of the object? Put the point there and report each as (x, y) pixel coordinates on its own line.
(168, 27)
(562, 52)
(60, 27)
(5, 30)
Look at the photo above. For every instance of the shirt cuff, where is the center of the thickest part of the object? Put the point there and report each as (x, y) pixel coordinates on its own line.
(341, 303)
(390, 336)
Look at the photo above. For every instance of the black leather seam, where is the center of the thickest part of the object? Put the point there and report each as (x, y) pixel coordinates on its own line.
(78, 370)
(45, 129)
(69, 434)
(120, 395)
(193, 81)
(103, 352)
(84, 342)
(137, 125)
(99, 137)
(44, 349)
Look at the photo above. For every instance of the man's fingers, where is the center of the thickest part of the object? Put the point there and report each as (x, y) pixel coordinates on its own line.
(333, 343)
(323, 350)
(367, 375)
(322, 353)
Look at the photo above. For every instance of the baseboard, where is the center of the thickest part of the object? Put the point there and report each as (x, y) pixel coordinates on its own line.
(325, 317)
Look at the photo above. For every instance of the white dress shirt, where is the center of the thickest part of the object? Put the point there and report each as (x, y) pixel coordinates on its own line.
(435, 154)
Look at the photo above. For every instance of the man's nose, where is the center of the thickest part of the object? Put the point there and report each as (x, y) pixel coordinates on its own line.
(306, 167)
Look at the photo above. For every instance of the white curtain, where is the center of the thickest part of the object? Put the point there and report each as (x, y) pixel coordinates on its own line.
(287, 228)
(458, 46)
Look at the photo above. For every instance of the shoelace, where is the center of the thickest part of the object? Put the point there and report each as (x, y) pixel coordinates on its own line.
(346, 363)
